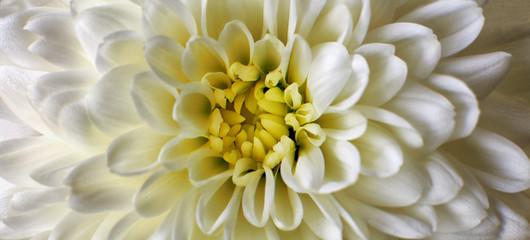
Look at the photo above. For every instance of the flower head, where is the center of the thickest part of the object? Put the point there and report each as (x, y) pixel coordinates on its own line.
(176, 119)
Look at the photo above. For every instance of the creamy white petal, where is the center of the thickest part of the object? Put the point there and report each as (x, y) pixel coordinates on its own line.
(380, 154)
(481, 73)
(494, 160)
(18, 159)
(238, 42)
(267, 53)
(399, 127)
(280, 18)
(332, 25)
(41, 219)
(296, 61)
(164, 56)
(203, 55)
(77, 226)
(428, 111)
(302, 232)
(347, 125)
(456, 23)
(355, 85)
(258, 198)
(216, 202)
(321, 216)
(445, 180)
(159, 192)
(193, 108)
(243, 229)
(133, 225)
(120, 48)
(93, 24)
(120, 116)
(342, 166)
(176, 153)
(462, 98)
(35, 199)
(388, 73)
(95, 189)
(329, 72)
(401, 189)
(382, 12)
(216, 14)
(207, 167)
(169, 18)
(287, 210)
(135, 152)
(59, 54)
(54, 172)
(153, 101)
(13, 91)
(415, 44)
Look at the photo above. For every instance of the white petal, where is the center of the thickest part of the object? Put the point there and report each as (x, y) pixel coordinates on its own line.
(237, 40)
(355, 85)
(332, 25)
(120, 48)
(380, 154)
(14, 83)
(193, 108)
(401, 189)
(16, 47)
(176, 153)
(462, 98)
(164, 56)
(428, 111)
(134, 226)
(461, 213)
(169, 18)
(135, 152)
(158, 193)
(287, 210)
(302, 232)
(217, 13)
(296, 60)
(309, 171)
(342, 165)
(329, 72)
(109, 103)
(388, 73)
(267, 53)
(382, 12)
(280, 18)
(363, 16)
(456, 23)
(42, 219)
(18, 158)
(206, 166)
(415, 44)
(215, 204)
(398, 225)
(54, 172)
(399, 127)
(93, 24)
(481, 73)
(494, 160)
(95, 189)
(243, 229)
(203, 55)
(445, 180)
(83, 226)
(154, 103)
(258, 198)
(35, 199)
(344, 125)
(321, 216)
(59, 54)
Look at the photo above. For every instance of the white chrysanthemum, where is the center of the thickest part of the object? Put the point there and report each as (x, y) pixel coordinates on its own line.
(265, 119)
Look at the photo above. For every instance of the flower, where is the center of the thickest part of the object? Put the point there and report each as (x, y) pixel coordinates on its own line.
(346, 119)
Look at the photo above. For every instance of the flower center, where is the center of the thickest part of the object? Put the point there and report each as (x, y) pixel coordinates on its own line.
(258, 116)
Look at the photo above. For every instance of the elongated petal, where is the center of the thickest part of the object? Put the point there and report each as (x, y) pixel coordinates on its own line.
(445, 180)
(258, 198)
(332, 25)
(387, 73)
(428, 111)
(462, 98)
(120, 48)
(176, 153)
(456, 24)
(164, 56)
(321, 216)
(158, 194)
(206, 166)
(216, 204)
(169, 18)
(355, 85)
(267, 53)
(237, 41)
(343, 125)
(95, 189)
(380, 154)
(154, 103)
(215, 14)
(133, 225)
(120, 116)
(481, 73)
(495, 160)
(203, 55)
(415, 44)
(287, 208)
(193, 108)
(296, 60)
(135, 152)
(328, 74)
(402, 189)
